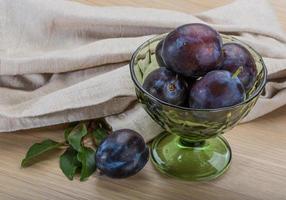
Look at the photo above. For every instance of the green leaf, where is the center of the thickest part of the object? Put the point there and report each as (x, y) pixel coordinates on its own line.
(69, 129)
(38, 149)
(87, 159)
(98, 135)
(76, 135)
(69, 163)
(67, 132)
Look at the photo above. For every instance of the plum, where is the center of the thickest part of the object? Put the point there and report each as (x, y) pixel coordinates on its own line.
(192, 50)
(122, 154)
(166, 86)
(158, 53)
(218, 88)
(235, 56)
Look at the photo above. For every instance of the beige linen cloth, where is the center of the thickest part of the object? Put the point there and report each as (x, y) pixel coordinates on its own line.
(62, 61)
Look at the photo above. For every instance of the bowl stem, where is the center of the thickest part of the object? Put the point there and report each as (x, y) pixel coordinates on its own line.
(190, 160)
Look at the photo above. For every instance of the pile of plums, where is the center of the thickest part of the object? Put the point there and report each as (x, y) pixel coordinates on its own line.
(197, 70)
(122, 154)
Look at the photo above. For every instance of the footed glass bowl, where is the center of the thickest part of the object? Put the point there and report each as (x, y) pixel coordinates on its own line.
(191, 147)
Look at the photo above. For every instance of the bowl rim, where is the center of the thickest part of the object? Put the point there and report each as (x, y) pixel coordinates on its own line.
(157, 37)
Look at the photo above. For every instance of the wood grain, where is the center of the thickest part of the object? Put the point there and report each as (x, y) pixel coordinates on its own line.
(258, 169)
(188, 6)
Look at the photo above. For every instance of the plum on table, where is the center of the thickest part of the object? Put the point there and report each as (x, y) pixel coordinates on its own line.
(122, 154)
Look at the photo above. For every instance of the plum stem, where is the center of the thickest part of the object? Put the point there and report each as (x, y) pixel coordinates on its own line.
(171, 87)
(237, 72)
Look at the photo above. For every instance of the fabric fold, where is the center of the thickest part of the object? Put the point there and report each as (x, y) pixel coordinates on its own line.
(62, 61)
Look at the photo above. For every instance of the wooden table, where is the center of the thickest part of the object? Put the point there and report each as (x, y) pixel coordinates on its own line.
(258, 169)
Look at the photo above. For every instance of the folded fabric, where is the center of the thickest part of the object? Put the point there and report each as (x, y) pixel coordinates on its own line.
(62, 61)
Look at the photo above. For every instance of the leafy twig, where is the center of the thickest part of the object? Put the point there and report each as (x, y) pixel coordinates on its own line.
(77, 157)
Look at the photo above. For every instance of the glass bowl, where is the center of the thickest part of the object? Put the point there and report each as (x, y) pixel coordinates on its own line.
(191, 147)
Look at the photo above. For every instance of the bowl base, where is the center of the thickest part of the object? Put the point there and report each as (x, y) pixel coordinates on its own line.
(204, 162)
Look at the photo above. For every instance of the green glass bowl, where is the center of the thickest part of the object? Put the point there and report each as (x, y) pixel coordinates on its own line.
(191, 147)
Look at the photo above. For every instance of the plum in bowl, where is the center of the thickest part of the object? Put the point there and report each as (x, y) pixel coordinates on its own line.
(192, 146)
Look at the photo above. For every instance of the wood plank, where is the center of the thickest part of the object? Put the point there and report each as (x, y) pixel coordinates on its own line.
(188, 6)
